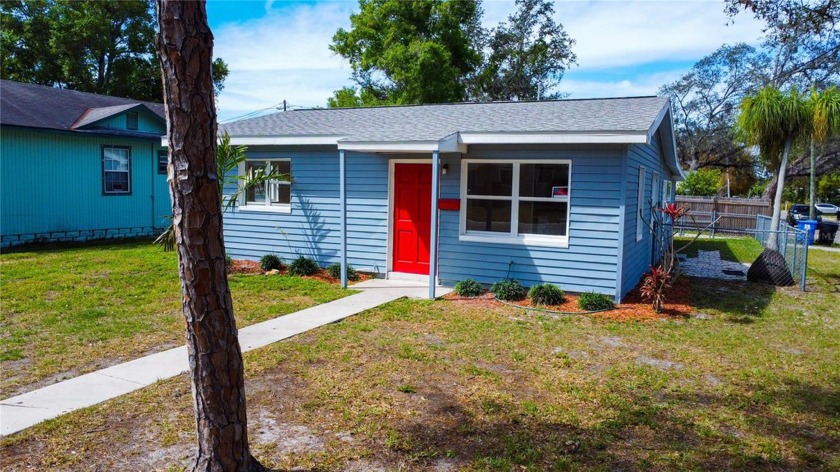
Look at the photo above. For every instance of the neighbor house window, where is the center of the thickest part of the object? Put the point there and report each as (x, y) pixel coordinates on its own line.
(131, 120)
(116, 170)
(161, 162)
(273, 195)
(640, 203)
(515, 201)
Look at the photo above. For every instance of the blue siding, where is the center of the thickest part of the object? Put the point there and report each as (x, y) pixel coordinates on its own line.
(312, 227)
(590, 261)
(637, 255)
(146, 122)
(52, 182)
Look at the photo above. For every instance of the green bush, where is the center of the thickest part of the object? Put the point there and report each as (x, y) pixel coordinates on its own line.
(591, 301)
(303, 266)
(335, 271)
(271, 262)
(546, 294)
(469, 288)
(228, 261)
(509, 290)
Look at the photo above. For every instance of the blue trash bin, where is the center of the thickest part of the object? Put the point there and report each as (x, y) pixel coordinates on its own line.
(810, 226)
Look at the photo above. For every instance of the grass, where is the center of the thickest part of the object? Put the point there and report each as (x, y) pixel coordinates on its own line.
(419, 385)
(731, 249)
(72, 309)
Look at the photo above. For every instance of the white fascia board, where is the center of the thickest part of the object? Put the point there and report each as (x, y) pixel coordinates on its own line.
(594, 137)
(389, 146)
(284, 140)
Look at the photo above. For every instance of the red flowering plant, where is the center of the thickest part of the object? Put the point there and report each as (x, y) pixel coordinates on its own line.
(657, 282)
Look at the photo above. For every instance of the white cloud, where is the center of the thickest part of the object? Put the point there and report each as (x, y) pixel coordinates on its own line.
(285, 54)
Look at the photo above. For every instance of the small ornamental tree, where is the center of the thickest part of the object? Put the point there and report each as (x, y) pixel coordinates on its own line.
(660, 278)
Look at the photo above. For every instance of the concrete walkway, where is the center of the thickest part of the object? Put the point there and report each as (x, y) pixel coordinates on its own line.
(23, 411)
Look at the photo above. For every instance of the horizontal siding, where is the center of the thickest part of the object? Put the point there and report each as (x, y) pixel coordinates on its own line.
(637, 255)
(53, 182)
(312, 228)
(590, 261)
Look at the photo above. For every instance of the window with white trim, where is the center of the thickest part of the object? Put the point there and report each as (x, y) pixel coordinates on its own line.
(640, 203)
(116, 170)
(667, 191)
(515, 201)
(162, 160)
(273, 195)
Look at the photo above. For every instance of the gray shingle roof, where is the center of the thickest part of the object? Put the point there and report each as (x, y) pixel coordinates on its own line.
(39, 106)
(434, 122)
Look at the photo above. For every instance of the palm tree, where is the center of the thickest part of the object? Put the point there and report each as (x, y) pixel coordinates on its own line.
(774, 121)
(825, 115)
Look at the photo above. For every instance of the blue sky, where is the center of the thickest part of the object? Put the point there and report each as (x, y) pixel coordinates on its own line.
(278, 50)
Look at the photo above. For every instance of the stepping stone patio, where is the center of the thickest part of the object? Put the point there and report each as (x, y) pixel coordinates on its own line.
(708, 264)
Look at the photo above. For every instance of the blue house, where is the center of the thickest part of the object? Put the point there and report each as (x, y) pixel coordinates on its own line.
(77, 166)
(545, 191)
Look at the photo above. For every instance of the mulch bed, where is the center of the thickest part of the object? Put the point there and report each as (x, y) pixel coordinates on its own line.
(633, 308)
(253, 268)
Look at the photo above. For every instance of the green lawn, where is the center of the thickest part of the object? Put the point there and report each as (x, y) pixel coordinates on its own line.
(67, 310)
(731, 249)
(750, 382)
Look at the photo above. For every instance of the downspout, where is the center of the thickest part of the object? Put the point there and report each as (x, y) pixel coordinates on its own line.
(434, 230)
(342, 197)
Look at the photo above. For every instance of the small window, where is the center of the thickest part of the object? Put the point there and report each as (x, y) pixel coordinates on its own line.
(273, 195)
(131, 120)
(116, 170)
(163, 158)
(667, 191)
(640, 204)
(525, 201)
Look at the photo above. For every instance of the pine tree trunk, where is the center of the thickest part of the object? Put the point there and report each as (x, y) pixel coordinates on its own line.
(185, 47)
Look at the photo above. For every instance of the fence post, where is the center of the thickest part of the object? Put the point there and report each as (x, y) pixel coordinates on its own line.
(804, 265)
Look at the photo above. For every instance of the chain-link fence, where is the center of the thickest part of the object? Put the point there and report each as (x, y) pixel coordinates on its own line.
(792, 244)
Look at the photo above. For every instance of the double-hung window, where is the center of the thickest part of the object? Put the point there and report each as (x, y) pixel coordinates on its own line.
(515, 201)
(116, 170)
(271, 195)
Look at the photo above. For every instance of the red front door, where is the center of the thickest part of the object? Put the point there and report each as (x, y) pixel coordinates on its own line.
(412, 217)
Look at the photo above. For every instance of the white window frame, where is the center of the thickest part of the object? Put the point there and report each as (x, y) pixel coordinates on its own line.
(245, 205)
(654, 197)
(127, 151)
(513, 237)
(667, 190)
(640, 202)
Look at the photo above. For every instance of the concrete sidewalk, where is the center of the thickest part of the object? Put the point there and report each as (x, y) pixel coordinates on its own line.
(28, 409)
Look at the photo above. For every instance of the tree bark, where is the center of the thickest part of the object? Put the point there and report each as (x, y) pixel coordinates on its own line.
(185, 47)
(772, 238)
(812, 187)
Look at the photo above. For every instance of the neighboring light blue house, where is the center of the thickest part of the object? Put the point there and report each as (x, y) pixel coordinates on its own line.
(78, 166)
(538, 191)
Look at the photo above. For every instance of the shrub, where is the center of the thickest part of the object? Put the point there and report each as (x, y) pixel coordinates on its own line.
(655, 286)
(335, 271)
(509, 290)
(546, 294)
(303, 266)
(469, 288)
(591, 301)
(271, 262)
(228, 261)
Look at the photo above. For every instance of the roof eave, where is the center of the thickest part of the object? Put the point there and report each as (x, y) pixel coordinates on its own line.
(589, 137)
